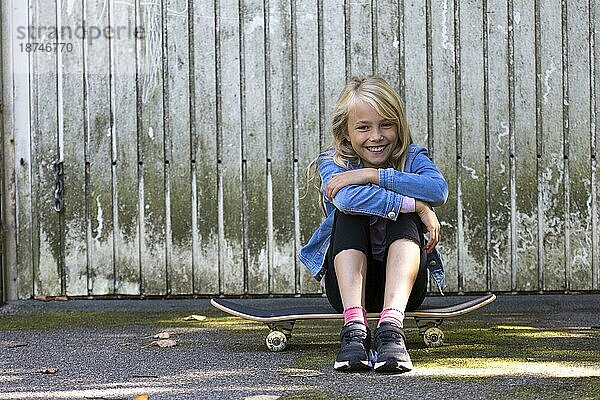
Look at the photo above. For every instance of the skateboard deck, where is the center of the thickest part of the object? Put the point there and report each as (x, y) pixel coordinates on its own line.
(281, 322)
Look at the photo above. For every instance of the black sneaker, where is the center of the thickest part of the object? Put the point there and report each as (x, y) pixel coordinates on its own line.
(391, 354)
(355, 353)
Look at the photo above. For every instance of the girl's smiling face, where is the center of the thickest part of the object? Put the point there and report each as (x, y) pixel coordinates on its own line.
(372, 136)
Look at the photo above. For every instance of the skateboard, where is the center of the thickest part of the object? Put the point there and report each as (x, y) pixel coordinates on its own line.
(281, 322)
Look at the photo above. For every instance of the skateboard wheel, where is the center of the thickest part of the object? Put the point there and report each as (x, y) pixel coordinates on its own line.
(433, 337)
(276, 341)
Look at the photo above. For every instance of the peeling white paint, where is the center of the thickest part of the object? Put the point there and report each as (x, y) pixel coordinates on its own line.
(547, 74)
(99, 219)
(472, 171)
(396, 43)
(256, 23)
(502, 171)
(526, 220)
(501, 135)
(517, 18)
(552, 180)
(151, 133)
(581, 256)
(446, 44)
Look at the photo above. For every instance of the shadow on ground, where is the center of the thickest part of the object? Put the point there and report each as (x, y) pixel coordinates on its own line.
(520, 347)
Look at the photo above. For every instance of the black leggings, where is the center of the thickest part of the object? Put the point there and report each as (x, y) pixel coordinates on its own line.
(353, 232)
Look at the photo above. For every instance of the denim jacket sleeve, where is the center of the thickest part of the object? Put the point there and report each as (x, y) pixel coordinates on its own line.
(421, 179)
(359, 199)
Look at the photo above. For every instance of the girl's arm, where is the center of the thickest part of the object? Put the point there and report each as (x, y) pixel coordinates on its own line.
(356, 192)
(431, 223)
(425, 183)
(358, 198)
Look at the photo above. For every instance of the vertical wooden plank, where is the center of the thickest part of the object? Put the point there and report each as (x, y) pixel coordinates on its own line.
(415, 75)
(60, 122)
(499, 151)
(550, 98)
(125, 150)
(255, 146)
(205, 243)
(8, 291)
(415, 69)
(178, 149)
(229, 134)
(3, 127)
(75, 239)
(473, 151)
(167, 141)
(23, 127)
(526, 217)
(443, 105)
(47, 245)
(333, 55)
(306, 127)
(361, 37)
(99, 149)
(580, 198)
(151, 151)
(280, 153)
(388, 42)
(594, 77)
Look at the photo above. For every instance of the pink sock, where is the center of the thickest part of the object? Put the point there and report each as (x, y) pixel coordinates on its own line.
(355, 313)
(392, 315)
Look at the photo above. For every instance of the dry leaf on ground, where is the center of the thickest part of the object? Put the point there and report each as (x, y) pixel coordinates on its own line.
(13, 345)
(143, 396)
(164, 343)
(162, 335)
(49, 370)
(195, 317)
(43, 298)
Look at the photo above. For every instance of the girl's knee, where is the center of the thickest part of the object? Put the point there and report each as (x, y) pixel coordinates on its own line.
(406, 241)
(351, 254)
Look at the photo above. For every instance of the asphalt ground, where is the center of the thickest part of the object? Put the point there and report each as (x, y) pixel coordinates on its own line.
(519, 347)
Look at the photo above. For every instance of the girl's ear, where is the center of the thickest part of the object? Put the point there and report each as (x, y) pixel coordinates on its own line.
(347, 135)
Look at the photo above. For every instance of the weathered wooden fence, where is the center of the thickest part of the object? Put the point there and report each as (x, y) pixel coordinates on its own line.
(2, 287)
(159, 148)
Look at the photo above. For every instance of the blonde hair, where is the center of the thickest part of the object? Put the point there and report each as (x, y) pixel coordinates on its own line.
(376, 92)
(379, 94)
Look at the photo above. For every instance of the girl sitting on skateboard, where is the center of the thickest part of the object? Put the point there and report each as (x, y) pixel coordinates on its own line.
(370, 251)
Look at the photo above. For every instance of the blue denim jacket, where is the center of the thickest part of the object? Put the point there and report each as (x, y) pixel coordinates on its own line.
(421, 180)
